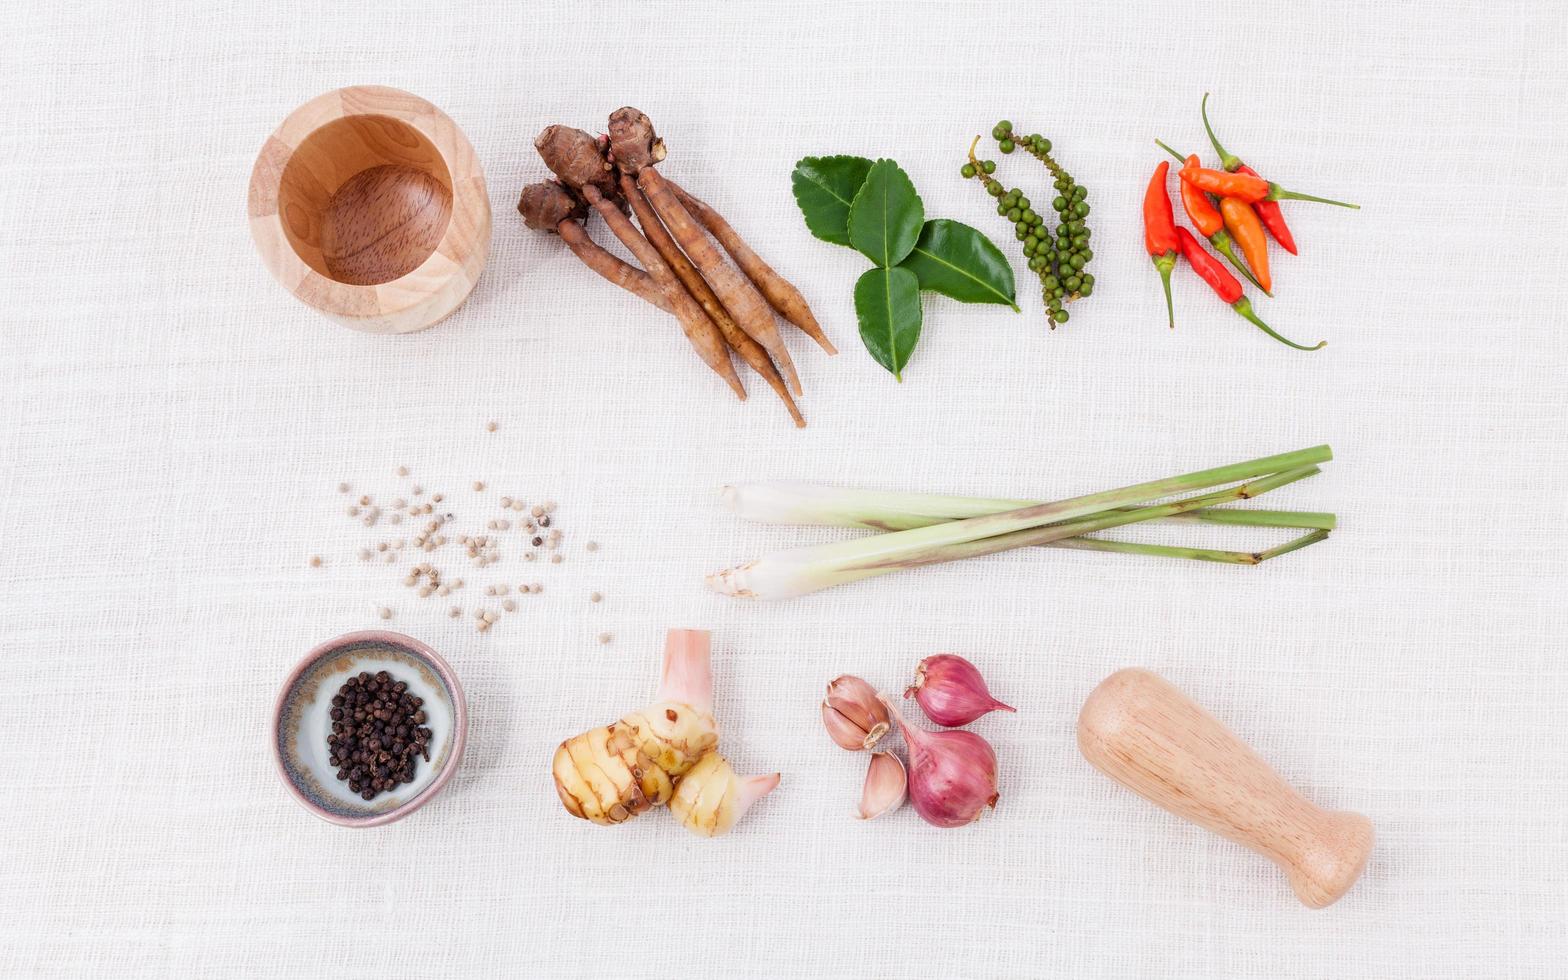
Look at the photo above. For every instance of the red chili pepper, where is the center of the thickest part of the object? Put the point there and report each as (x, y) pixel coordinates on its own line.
(1207, 219)
(1272, 216)
(1159, 232)
(1268, 211)
(1227, 286)
(1246, 187)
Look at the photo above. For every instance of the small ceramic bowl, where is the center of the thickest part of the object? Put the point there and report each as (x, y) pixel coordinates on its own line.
(301, 723)
(369, 204)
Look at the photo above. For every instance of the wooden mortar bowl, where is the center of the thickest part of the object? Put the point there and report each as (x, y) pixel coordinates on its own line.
(369, 204)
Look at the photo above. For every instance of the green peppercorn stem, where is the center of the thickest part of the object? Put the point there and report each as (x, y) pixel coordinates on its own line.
(1058, 257)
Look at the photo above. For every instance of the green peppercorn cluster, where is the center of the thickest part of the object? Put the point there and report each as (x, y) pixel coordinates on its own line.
(1058, 258)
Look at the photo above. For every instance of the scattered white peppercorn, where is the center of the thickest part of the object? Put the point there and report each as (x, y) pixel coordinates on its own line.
(605, 638)
(592, 546)
(315, 561)
(595, 597)
(482, 550)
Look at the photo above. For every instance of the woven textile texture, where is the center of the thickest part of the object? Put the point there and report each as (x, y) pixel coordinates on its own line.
(174, 427)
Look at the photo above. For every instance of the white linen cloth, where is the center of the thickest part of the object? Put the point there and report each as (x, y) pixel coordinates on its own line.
(174, 428)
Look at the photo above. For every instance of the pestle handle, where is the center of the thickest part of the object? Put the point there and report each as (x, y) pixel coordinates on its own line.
(1147, 735)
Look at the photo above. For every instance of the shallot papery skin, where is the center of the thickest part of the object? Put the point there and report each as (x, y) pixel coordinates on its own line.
(952, 774)
(951, 691)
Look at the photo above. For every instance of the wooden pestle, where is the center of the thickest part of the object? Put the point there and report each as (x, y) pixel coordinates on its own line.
(1144, 733)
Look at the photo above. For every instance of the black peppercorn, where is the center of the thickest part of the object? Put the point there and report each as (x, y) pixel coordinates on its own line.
(376, 733)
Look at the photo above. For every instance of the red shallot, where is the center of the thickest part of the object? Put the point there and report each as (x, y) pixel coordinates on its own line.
(951, 691)
(952, 774)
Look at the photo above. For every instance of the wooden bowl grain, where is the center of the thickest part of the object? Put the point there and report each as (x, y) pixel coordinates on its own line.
(369, 204)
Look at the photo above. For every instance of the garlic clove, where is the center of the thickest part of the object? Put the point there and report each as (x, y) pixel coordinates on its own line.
(853, 715)
(887, 784)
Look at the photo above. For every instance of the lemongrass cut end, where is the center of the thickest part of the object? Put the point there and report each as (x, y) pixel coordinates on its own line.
(732, 582)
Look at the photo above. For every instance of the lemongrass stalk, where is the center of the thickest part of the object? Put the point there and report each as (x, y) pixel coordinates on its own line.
(1104, 520)
(1295, 545)
(787, 502)
(1083, 543)
(1154, 550)
(1311, 519)
(802, 570)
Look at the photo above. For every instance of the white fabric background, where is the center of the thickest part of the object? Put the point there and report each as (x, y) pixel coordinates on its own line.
(174, 427)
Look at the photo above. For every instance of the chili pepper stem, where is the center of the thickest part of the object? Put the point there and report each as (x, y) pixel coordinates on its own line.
(1228, 161)
(1278, 193)
(1166, 264)
(1222, 244)
(1244, 307)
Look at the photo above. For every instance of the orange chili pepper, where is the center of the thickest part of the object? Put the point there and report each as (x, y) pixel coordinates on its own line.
(1247, 229)
(1200, 210)
(1248, 188)
(1207, 219)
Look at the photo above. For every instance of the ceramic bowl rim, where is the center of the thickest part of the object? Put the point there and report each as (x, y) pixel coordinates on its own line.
(459, 724)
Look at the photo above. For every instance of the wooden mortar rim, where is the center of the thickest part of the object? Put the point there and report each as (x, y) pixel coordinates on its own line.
(438, 285)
